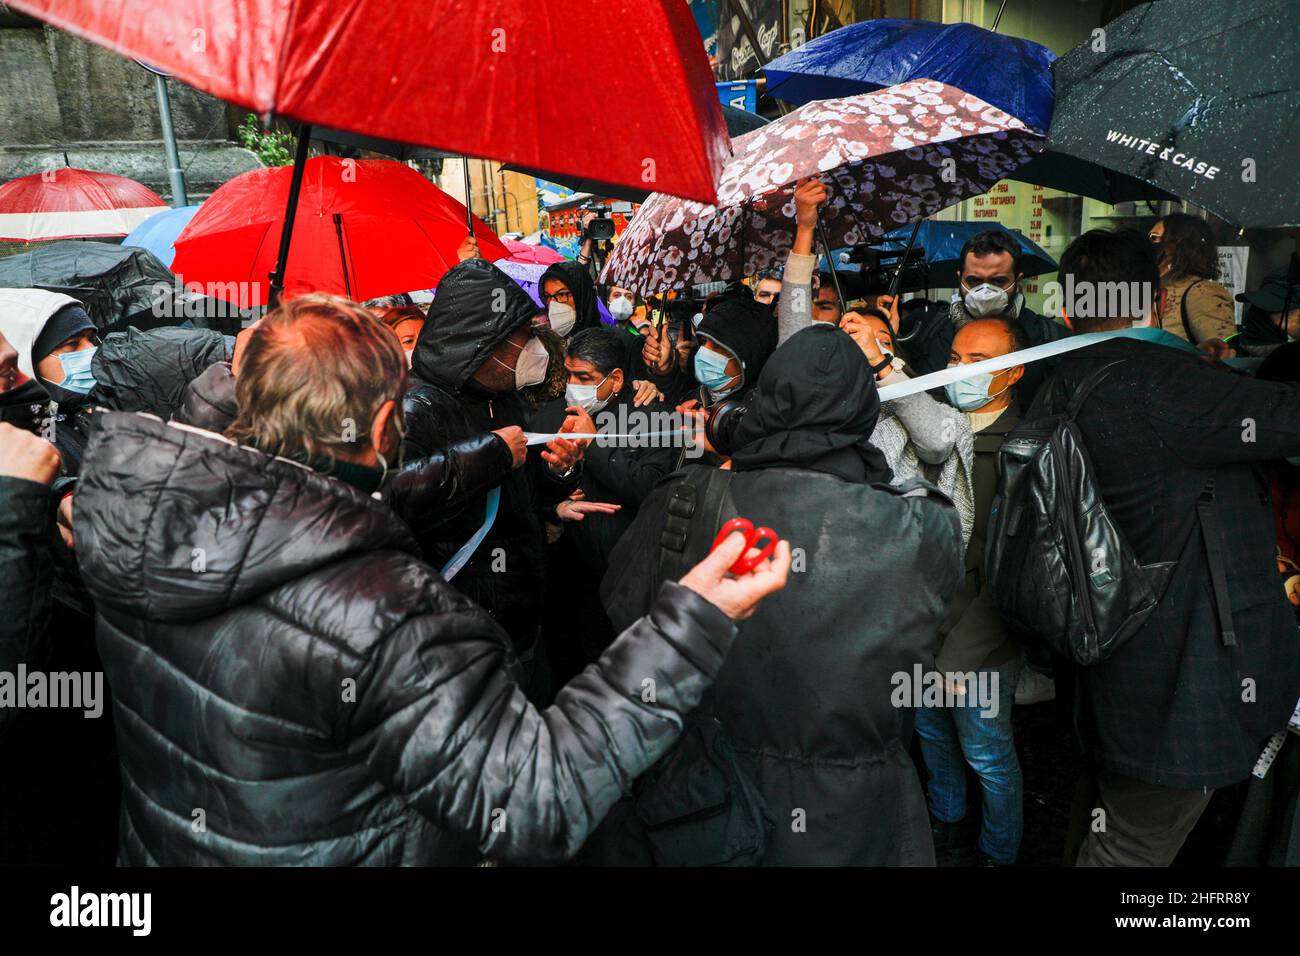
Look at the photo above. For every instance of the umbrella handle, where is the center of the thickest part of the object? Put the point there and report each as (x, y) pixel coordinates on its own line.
(469, 197)
(830, 261)
(898, 280)
(290, 211)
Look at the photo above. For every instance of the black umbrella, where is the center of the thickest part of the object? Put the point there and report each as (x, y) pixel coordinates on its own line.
(1083, 178)
(739, 122)
(1195, 97)
(119, 285)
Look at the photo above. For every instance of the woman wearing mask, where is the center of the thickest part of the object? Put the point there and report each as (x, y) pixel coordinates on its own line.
(628, 312)
(406, 323)
(569, 296)
(920, 438)
(1191, 305)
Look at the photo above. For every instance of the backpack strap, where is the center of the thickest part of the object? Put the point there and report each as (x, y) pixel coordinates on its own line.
(1210, 533)
(1182, 306)
(697, 500)
(1085, 389)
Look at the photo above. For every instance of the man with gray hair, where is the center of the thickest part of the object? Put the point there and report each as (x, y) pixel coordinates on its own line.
(294, 685)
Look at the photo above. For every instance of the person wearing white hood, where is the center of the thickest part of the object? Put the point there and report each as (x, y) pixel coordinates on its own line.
(56, 343)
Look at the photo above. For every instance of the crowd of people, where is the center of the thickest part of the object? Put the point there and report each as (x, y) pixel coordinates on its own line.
(364, 587)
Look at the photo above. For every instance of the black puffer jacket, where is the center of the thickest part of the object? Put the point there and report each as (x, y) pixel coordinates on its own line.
(476, 308)
(426, 492)
(281, 660)
(25, 573)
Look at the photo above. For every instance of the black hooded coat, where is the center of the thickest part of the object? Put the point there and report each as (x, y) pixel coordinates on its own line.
(805, 698)
(476, 308)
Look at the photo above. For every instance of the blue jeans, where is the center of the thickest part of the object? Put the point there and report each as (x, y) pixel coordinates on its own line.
(949, 734)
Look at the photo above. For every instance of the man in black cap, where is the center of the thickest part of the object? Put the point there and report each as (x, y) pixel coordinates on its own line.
(1272, 315)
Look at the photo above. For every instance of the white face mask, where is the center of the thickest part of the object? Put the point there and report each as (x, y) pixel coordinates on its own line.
(532, 364)
(410, 356)
(585, 395)
(562, 317)
(621, 308)
(986, 299)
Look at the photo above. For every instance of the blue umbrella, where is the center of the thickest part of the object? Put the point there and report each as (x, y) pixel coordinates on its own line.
(942, 242)
(1008, 72)
(158, 233)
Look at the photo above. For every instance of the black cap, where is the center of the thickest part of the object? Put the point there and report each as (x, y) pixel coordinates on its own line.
(1272, 293)
(60, 327)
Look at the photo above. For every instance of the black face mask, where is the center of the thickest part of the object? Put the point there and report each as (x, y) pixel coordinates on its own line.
(67, 399)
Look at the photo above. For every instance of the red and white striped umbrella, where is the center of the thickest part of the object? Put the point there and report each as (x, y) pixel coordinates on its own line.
(73, 203)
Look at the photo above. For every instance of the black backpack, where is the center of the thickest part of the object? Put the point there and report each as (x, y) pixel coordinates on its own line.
(1058, 567)
(696, 806)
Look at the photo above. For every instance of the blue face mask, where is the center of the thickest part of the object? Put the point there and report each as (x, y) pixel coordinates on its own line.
(711, 370)
(970, 393)
(77, 376)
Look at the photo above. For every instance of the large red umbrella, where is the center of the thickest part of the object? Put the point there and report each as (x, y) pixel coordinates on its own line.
(73, 203)
(618, 90)
(888, 158)
(395, 230)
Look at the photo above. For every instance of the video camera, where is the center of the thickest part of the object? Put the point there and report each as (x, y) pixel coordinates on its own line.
(878, 265)
(602, 227)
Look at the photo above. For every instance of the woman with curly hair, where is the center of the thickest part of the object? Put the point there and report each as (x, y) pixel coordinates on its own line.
(1191, 304)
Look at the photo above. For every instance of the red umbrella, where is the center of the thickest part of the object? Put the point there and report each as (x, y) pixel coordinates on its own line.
(73, 204)
(395, 230)
(618, 90)
(530, 254)
(888, 158)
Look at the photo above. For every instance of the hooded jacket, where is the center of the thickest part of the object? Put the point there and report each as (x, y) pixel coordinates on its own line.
(578, 279)
(281, 659)
(23, 315)
(133, 370)
(806, 699)
(747, 329)
(476, 308)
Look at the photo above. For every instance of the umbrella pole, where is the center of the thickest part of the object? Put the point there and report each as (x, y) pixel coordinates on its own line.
(998, 19)
(290, 211)
(469, 195)
(898, 279)
(830, 262)
(343, 257)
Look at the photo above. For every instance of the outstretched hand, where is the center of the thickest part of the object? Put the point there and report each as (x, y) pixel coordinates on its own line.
(738, 596)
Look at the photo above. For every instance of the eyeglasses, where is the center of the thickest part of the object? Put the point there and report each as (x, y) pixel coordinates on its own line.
(1002, 282)
(564, 296)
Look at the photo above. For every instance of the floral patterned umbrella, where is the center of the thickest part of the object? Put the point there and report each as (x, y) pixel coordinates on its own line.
(888, 158)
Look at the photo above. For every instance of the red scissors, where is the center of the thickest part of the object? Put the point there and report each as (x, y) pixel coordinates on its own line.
(752, 535)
